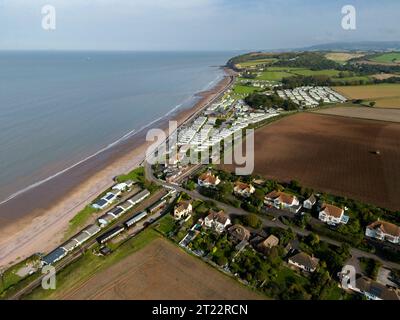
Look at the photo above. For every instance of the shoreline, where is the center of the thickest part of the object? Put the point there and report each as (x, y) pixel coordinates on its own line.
(58, 200)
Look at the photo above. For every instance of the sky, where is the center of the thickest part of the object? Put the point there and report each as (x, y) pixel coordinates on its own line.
(192, 24)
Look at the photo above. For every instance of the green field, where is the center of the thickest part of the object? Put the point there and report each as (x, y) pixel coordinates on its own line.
(274, 75)
(256, 62)
(308, 72)
(239, 89)
(393, 57)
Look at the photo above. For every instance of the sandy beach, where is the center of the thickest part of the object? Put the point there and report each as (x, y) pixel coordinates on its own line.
(45, 211)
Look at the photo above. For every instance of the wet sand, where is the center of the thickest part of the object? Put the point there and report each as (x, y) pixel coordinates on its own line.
(36, 220)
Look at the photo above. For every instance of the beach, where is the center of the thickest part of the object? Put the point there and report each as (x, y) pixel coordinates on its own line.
(44, 212)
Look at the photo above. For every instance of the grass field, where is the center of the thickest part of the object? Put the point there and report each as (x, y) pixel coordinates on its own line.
(342, 56)
(161, 270)
(385, 95)
(239, 89)
(274, 75)
(308, 72)
(256, 62)
(332, 154)
(393, 57)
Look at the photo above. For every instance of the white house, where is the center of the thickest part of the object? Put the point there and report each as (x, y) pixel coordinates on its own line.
(123, 186)
(207, 179)
(303, 261)
(217, 221)
(182, 209)
(310, 202)
(243, 189)
(373, 290)
(332, 215)
(282, 200)
(383, 230)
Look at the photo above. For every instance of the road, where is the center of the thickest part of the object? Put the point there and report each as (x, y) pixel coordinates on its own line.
(232, 211)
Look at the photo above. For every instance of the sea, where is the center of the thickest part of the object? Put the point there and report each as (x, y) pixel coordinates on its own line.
(59, 109)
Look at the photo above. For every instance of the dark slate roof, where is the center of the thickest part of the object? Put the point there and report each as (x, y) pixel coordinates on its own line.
(54, 255)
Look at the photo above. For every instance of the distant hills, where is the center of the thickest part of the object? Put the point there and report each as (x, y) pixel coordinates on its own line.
(356, 46)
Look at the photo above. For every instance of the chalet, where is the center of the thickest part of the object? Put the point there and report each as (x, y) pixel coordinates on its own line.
(54, 256)
(310, 202)
(139, 197)
(158, 205)
(110, 234)
(373, 290)
(217, 221)
(207, 179)
(282, 200)
(332, 215)
(70, 245)
(383, 230)
(109, 198)
(182, 209)
(243, 189)
(135, 219)
(304, 261)
(123, 186)
(239, 233)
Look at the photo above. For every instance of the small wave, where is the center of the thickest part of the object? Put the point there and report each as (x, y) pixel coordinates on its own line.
(119, 140)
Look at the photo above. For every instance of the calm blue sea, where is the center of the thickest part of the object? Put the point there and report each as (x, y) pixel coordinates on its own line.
(57, 108)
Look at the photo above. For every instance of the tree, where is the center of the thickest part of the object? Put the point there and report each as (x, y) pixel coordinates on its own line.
(252, 220)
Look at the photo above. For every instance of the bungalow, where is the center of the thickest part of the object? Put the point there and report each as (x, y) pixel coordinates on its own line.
(109, 198)
(182, 209)
(123, 186)
(158, 205)
(139, 197)
(282, 200)
(310, 202)
(110, 234)
(207, 179)
(305, 262)
(332, 215)
(268, 243)
(373, 290)
(70, 245)
(239, 233)
(54, 256)
(218, 221)
(243, 189)
(383, 230)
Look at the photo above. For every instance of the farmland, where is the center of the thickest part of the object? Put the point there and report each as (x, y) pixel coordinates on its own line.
(364, 113)
(318, 149)
(160, 271)
(385, 95)
(393, 57)
(342, 56)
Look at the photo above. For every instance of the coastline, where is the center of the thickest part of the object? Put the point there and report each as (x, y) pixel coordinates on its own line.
(58, 200)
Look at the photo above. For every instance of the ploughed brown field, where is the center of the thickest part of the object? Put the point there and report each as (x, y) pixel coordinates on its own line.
(334, 154)
(160, 271)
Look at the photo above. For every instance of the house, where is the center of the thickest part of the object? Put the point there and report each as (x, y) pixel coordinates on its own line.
(282, 200)
(239, 232)
(182, 209)
(373, 290)
(304, 261)
(217, 221)
(332, 215)
(110, 234)
(243, 189)
(139, 197)
(135, 219)
(158, 205)
(310, 202)
(207, 179)
(54, 256)
(100, 204)
(123, 186)
(268, 243)
(383, 230)
(109, 198)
